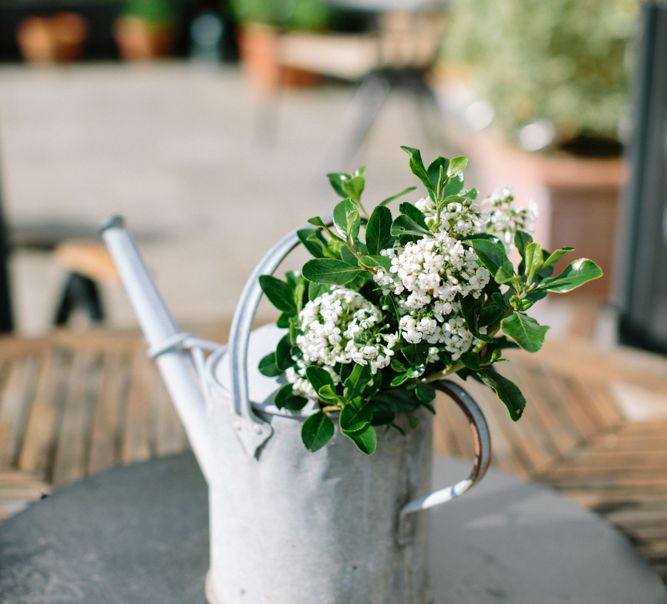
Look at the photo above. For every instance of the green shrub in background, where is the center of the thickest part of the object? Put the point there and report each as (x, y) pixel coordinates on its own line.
(155, 12)
(288, 14)
(559, 60)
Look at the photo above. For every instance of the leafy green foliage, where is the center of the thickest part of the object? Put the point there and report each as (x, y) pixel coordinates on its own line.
(353, 259)
(317, 431)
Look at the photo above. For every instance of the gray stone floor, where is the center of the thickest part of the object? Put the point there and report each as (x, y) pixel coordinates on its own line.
(183, 153)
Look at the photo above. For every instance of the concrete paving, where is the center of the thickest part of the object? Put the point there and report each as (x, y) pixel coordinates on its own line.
(186, 154)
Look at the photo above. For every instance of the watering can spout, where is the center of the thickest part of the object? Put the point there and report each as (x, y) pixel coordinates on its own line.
(178, 366)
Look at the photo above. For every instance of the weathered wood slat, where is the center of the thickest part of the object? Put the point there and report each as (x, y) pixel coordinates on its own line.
(15, 406)
(72, 445)
(41, 433)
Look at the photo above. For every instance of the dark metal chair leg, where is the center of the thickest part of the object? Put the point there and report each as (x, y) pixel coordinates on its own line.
(79, 291)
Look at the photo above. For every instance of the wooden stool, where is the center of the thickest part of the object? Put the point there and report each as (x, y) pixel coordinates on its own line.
(89, 264)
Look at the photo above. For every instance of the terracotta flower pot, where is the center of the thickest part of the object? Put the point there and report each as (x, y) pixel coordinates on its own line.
(56, 39)
(259, 46)
(139, 40)
(577, 198)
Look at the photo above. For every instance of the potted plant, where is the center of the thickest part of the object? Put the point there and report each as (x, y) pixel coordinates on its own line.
(56, 39)
(314, 435)
(145, 29)
(551, 80)
(261, 23)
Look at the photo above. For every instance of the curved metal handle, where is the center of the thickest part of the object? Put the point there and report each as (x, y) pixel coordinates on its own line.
(482, 438)
(252, 430)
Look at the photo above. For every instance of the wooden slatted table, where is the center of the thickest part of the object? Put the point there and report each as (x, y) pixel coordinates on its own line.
(72, 404)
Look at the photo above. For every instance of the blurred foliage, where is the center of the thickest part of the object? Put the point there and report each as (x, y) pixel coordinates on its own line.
(151, 11)
(559, 60)
(288, 14)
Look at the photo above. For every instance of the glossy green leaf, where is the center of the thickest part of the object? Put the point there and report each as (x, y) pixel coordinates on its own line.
(283, 353)
(318, 377)
(417, 166)
(391, 198)
(425, 392)
(404, 225)
(376, 262)
(457, 165)
(492, 254)
(317, 431)
(506, 390)
(315, 290)
(328, 394)
(576, 274)
(354, 417)
(267, 366)
(533, 260)
(556, 255)
(521, 240)
(285, 399)
(344, 215)
(278, 292)
(326, 270)
(414, 213)
(366, 439)
(378, 231)
(525, 331)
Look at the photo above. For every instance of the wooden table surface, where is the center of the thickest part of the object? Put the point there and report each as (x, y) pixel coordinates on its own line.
(72, 404)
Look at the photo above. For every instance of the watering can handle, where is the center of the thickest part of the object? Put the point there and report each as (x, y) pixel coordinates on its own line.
(257, 433)
(482, 437)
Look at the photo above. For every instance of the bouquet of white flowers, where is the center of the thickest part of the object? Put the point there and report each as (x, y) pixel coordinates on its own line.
(388, 306)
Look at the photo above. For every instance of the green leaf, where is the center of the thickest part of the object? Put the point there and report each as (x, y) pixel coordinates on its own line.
(471, 360)
(425, 392)
(453, 187)
(376, 262)
(507, 391)
(457, 165)
(490, 314)
(336, 182)
(525, 331)
(357, 381)
(318, 377)
(267, 366)
(354, 417)
(437, 172)
(285, 399)
(521, 240)
(284, 353)
(327, 270)
(278, 292)
(283, 320)
(388, 200)
(417, 167)
(404, 225)
(344, 215)
(348, 256)
(575, 274)
(533, 260)
(314, 242)
(315, 290)
(492, 254)
(556, 255)
(378, 231)
(413, 212)
(317, 431)
(328, 394)
(366, 439)
(317, 221)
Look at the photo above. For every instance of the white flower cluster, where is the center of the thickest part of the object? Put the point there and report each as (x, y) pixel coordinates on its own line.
(502, 218)
(458, 218)
(428, 276)
(339, 327)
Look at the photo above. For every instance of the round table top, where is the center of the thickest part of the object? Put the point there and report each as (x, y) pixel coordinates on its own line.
(138, 534)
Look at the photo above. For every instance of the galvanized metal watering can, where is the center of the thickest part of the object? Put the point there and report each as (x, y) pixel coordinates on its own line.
(288, 526)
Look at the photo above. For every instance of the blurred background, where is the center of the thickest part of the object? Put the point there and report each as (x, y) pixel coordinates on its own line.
(210, 125)
(194, 117)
